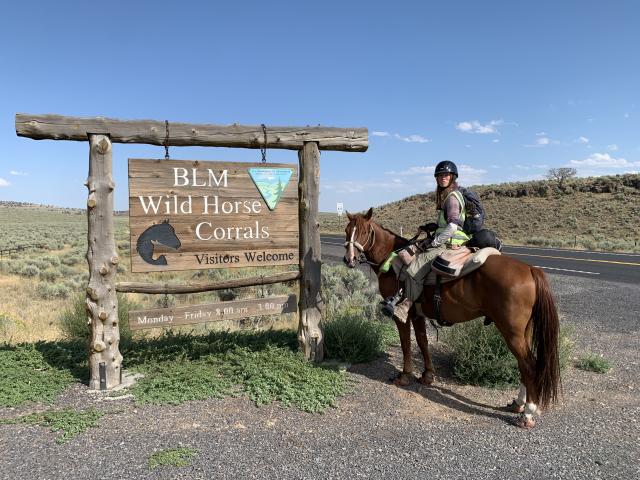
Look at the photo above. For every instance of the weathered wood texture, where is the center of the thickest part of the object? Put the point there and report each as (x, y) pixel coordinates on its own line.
(310, 335)
(212, 312)
(105, 360)
(216, 212)
(59, 127)
(139, 287)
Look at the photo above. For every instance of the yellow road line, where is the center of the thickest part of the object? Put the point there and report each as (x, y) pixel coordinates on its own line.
(577, 259)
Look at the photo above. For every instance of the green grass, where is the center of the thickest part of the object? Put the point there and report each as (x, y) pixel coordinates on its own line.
(26, 375)
(480, 355)
(68, 421)
(177, 457)
(594, 363)
(264, 366)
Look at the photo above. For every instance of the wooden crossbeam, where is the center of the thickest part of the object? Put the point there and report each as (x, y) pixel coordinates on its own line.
(165, 288)
(152, 132)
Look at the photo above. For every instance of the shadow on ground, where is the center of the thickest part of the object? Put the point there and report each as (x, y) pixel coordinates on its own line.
(444, 391)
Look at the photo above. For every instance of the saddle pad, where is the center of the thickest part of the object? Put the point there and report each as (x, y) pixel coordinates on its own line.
(473, 262)
(450, 262)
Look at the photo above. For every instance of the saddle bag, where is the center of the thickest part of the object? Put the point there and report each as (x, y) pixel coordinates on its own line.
(485, 238)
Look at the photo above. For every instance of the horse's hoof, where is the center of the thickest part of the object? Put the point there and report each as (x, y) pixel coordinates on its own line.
(525, 422)
(427, 378)
(515, 408)
(403, 379)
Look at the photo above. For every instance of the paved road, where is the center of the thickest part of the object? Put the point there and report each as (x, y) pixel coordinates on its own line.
(619, 267)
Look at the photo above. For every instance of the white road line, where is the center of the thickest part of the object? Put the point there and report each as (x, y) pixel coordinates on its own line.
(567, 270)
(622, 254)
(331, 243)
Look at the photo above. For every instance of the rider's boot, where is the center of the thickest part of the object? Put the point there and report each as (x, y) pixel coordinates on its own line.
(389, 303)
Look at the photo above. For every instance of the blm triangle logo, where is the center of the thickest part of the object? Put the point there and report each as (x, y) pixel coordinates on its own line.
(271, 183)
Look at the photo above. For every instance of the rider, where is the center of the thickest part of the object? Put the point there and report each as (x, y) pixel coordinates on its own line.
(450, 208)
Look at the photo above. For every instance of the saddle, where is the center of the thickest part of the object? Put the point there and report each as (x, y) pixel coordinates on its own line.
(454, 264)
(450, 266)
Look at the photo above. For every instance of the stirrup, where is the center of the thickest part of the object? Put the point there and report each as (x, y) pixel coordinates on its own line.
(389, 304)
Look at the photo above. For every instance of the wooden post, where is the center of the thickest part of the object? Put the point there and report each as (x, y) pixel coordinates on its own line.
(105, 360)
(310, 335)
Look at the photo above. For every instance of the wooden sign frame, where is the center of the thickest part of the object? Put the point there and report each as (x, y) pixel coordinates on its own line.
(105, 360)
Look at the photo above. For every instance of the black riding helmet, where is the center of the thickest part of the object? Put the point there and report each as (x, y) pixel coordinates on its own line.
(446, 166)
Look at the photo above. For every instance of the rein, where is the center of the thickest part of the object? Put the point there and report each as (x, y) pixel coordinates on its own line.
(371, 236)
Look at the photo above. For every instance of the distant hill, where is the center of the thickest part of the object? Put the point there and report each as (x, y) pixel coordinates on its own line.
(596, 212)
(51, 208)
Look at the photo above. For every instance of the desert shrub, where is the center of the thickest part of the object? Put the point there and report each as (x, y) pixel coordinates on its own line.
(66, 272)
(73, 320)
(354, 339)
(49, 275)
(8, 327)
(353, 327)
(70, 260)
(29, 271)
(348, 291)
(481, 356)
(48, 291)
(51, 260)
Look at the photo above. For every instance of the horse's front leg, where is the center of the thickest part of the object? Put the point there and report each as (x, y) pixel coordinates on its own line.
(420, 329)
(406, 376)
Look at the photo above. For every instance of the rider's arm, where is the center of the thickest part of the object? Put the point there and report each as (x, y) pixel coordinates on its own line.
(452, 210)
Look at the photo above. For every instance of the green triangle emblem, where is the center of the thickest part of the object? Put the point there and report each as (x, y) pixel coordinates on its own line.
(271, 183)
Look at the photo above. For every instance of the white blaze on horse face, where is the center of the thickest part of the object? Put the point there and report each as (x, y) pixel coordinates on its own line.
(350, 253)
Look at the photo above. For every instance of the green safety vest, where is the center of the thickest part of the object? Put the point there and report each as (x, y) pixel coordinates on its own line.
(459, 237)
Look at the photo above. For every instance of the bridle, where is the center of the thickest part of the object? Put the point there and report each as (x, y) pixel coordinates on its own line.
(351, 244)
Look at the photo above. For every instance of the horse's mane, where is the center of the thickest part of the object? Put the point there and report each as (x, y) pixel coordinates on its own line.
(399, 240)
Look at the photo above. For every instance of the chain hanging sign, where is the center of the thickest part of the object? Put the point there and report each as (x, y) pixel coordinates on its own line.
(190, 215)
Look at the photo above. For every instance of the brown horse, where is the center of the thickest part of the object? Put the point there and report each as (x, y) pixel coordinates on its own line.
(516, 296)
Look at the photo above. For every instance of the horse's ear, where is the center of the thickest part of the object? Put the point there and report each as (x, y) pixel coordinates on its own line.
(349, 216)
(369, 214)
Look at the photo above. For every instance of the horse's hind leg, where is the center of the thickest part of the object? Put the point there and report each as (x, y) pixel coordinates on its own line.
(405, 377)
(518, 344)
(420, 329)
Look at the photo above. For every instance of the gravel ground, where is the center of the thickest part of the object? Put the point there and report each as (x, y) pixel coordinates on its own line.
(378, 430)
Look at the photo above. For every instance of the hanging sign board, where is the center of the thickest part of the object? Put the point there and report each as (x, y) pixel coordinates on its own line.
(211, 312)
(190, 215)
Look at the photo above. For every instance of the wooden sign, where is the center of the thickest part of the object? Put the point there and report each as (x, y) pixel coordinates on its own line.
(212, 312)
(190, 215)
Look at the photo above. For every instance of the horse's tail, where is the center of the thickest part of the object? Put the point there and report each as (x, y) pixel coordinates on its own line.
(546, 330)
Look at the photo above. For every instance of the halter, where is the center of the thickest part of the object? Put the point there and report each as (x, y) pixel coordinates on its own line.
(361, 248)
(371, 236)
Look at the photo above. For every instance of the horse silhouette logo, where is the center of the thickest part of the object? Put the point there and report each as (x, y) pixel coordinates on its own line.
(161, 234)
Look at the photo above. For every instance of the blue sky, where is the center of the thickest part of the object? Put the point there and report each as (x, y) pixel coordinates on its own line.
(505, 89)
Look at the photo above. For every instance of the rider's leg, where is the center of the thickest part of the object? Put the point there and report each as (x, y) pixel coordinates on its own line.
(414, 277)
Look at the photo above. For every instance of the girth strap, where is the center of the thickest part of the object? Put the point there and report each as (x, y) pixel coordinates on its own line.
(437, 302)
